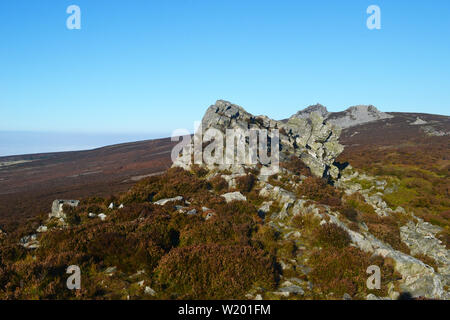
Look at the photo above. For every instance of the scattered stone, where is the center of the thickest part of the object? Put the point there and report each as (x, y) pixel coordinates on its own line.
(164, 201)
(293, 289)
(191, 212)
(57, 207)
(102, 216)
(418, 122)
(264, 209)
(234, 196)
(29, 242)
(92, 215)
(149, 291)
(110, 270)
(210, 215)
(42, 229)
(347, 297)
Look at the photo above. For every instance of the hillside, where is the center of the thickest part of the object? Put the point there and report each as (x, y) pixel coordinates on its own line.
(376, 193)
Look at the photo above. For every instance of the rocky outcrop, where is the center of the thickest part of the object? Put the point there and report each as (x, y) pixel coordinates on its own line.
(308, 137)
(353, 116)
(57, 207)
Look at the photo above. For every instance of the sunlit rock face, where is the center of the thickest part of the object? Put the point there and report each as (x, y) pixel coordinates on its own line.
(312, 139)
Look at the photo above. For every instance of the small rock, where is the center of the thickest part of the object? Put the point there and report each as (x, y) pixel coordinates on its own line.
(234, 196)
(110, 270)
(191, 212)
(91, 215)
(293, 289)
(29, 242)
(111, 205)
(42, 229)
(121, 206)
(347, 297)
(102, 216)
(210, 215)
(149, 291)
(258, 297)
(164, 201)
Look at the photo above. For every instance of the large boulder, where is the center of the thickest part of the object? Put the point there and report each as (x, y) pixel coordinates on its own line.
(309, 137)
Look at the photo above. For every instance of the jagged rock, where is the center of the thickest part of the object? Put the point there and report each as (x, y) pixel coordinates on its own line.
(57, 207)
(234, 196)
(293, 289)
(121, 206)
(418, 122)
(149, 291)
(417, 278)
(346, 296)
(317, 108)
(164, 201)
(421, 238)
(357, 115)
(29, 242)
(311, 139)
(42, 229)
(209, 215)
(264, 209)
(111, 206)
(192, 212)
(111, 270)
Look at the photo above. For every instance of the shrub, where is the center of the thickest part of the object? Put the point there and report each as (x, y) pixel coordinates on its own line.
(214, 271)
(219, 184)
(331, 235)
(340, 271)
(350, 213)
(319, 190)
(296, 166)
(246, 183)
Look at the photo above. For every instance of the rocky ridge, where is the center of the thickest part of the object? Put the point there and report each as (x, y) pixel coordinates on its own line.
(350, 117)
(316, 142)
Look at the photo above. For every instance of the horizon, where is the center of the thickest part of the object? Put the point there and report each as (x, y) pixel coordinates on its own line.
(144, 69)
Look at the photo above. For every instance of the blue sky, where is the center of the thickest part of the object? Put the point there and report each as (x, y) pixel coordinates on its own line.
(148, 67)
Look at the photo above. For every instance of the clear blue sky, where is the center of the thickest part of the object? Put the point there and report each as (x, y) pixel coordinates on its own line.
(154, 66)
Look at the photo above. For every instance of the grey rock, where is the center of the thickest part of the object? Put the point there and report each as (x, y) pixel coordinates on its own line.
(164, 201)
(347, 297)
(234, 196)
(57, 207)
(311, 139)
(42, 229)
(192, 212)
(29, 242)
(292, 289)
(357, 115)
(149, 291)
(418, 122)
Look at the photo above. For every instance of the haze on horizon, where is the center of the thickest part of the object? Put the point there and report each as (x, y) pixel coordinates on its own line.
(152, 67)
